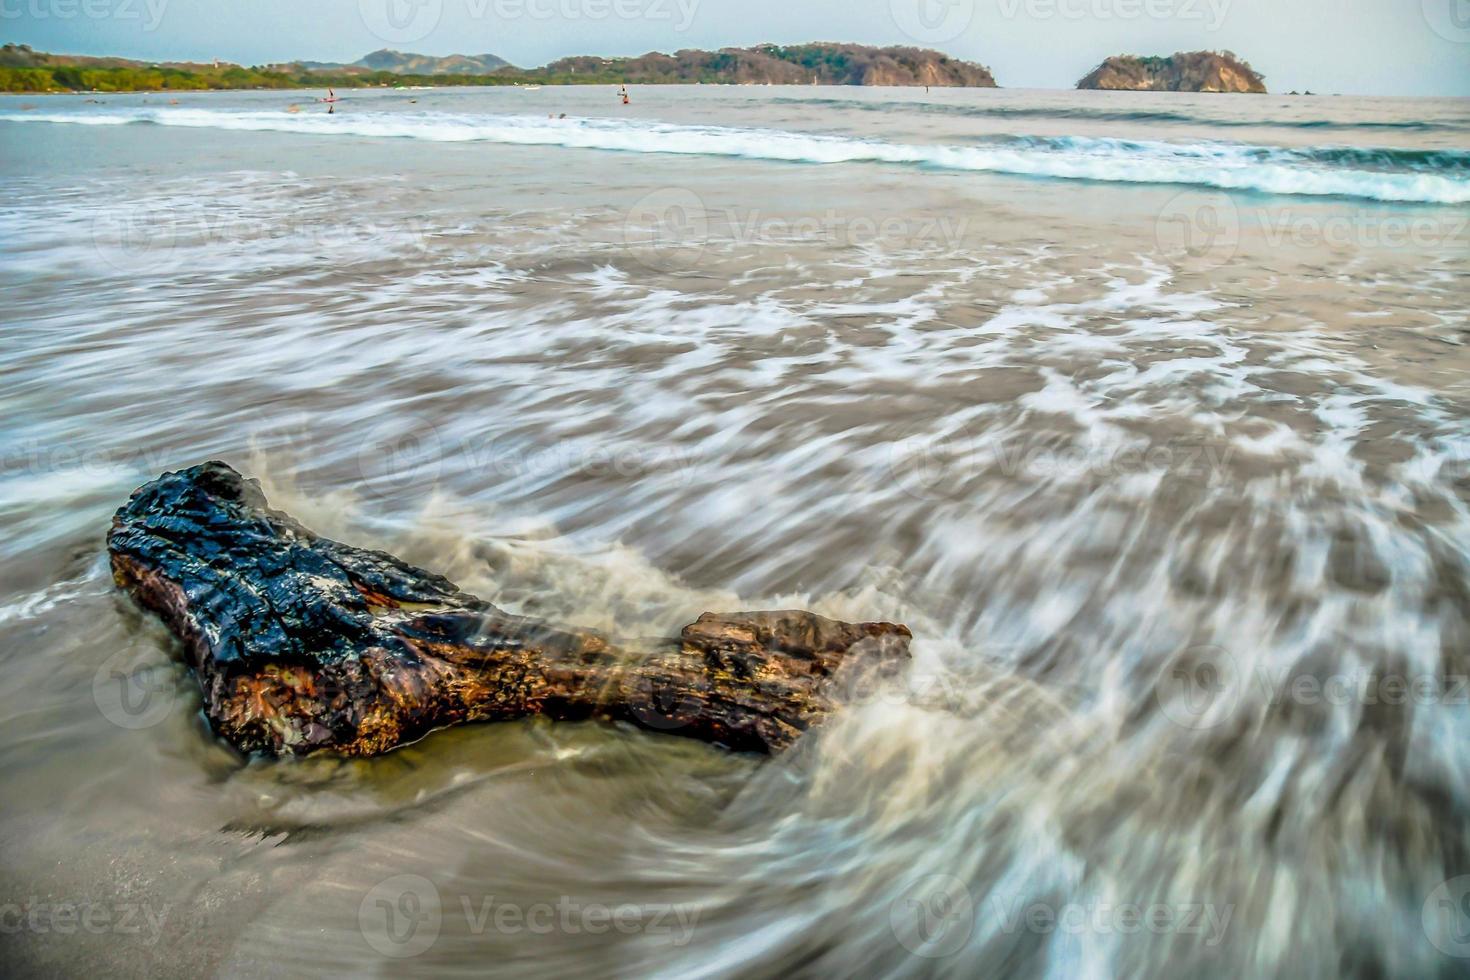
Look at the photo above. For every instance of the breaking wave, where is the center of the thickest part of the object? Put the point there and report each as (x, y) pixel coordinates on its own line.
(1088, 114)
(1423, 177)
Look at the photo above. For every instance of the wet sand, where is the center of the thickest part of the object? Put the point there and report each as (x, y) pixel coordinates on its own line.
(1138, 464)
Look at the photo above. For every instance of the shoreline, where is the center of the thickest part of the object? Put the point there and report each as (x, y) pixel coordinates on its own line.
(526, 85)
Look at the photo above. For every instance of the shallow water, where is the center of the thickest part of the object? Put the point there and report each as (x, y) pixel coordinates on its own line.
(1148, 414)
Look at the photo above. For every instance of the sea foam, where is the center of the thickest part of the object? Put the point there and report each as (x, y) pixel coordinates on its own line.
(1426, 179)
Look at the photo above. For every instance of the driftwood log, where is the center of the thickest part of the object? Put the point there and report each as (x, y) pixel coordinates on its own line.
(302, 644)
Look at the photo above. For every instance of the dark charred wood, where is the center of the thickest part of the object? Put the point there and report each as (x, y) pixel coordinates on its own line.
(301, 643)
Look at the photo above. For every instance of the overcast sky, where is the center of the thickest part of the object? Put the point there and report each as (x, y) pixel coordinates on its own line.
(1386, 47)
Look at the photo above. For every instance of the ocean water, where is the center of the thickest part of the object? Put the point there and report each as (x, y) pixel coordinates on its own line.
(1149, 414)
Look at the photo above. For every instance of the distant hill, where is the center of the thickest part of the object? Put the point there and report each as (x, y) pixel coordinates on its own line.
(21, 56)
(1194, 71)
(800, 64)
(819, 63)
(24, 70)
(400, 63)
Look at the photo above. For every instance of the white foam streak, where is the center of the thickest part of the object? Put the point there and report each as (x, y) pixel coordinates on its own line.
(1111, 161)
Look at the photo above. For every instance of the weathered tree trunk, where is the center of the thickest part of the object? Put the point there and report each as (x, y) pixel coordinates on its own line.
(303, 644)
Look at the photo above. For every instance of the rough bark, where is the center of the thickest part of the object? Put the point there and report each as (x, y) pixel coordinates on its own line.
(301, 643)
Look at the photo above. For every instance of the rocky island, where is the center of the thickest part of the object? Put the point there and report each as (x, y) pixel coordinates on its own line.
(1194, 71)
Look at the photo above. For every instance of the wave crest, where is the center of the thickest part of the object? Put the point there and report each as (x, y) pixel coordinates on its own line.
(1407, 176)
